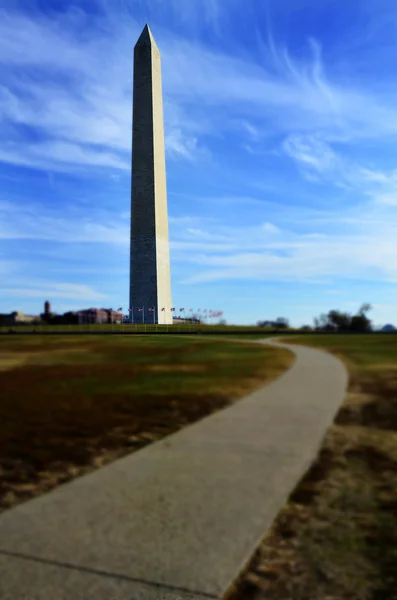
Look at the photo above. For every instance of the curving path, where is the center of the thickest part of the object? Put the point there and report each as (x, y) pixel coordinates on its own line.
(179, 518)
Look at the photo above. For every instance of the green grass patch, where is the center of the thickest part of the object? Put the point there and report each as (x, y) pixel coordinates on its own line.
(71, 403)
(139, 328)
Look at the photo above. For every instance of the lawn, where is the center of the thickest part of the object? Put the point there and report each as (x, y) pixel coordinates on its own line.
(337, 536)
(70, 404)
(140, 328)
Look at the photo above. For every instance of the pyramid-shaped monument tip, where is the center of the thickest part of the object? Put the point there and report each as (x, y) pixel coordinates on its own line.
(146, 38)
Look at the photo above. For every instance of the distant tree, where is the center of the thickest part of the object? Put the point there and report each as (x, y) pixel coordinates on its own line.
(364, 308)
(340, 320)
(306, 328)
(336, 320)
(222, 322)
(281, 323)
(360, 322)
(265, 323)
(322, 323)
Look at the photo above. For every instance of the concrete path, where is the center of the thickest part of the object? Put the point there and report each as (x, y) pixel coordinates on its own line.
(179, 518)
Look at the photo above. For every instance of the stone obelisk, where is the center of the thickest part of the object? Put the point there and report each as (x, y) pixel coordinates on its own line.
(150, 279)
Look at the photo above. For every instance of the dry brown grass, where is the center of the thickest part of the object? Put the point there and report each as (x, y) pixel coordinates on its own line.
(336, 538)
(12, 360)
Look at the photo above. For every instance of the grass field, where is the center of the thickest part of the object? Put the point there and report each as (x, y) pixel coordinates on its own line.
(73, 403)
(138, 328)
(336, 539)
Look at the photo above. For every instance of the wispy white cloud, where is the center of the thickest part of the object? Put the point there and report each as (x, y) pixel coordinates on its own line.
(181, 144)
(192, 15)
(60, 156)
(319, 163)
(82, 103)
(382, 185)
(29, 223)
(270, 228)
(253, 132)
(54, 290)
(86, 98)
(312, 153)
(269, 253)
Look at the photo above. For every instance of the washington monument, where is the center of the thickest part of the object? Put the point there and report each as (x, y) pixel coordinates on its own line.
(150, 279)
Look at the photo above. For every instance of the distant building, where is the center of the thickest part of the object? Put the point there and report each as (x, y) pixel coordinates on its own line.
(17, 318)
(92, 315)
(47, 316)
(192, 320)
(85, 316)
(68, 318)
(99, 315)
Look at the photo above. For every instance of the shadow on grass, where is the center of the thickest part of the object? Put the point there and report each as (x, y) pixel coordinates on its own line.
(306, 490)
(380, 412)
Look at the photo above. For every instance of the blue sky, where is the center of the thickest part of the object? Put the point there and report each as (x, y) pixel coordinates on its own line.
(281, 136)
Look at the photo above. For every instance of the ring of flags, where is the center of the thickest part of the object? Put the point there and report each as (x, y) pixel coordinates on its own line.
(211, 312)
(204, 311)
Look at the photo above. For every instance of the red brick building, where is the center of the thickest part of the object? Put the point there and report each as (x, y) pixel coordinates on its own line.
(99, 315)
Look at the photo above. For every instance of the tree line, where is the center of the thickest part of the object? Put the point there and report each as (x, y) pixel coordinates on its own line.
(334, 320)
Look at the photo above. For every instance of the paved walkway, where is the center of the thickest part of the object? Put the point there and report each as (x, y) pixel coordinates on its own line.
(179, 518)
